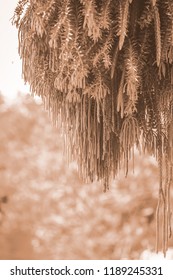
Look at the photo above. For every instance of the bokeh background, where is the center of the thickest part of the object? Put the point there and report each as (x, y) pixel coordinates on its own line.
(48, 212)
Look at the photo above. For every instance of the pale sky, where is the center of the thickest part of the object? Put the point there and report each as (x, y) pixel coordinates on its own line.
(10, 63)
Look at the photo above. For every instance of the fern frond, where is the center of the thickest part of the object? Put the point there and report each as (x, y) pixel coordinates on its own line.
(62, 30)
(98, 90)
(146, 17)
(105, 15)
(157, 35)
(91, 20)
(123, 21)
(120, 96)
(114, 61)
(132, 78)
(18, 12)
(103, 54)
(104, 69)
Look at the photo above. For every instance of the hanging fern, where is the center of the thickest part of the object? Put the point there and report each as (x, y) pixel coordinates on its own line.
(104, 69)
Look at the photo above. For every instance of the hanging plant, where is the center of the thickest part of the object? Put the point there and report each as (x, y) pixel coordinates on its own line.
(104, 68)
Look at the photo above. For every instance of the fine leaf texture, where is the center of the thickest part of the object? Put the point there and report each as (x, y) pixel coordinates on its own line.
(104, 70)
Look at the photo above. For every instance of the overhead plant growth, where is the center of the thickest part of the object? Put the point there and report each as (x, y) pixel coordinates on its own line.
(105, 71)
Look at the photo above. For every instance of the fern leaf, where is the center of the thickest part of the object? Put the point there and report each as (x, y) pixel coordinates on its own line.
(157, 34)
(123, 22)
(120, 98)
(105, 15)
(114, 62)
(91, 20)
(132, 78)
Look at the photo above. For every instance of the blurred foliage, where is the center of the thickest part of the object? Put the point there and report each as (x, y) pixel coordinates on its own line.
(47, 212)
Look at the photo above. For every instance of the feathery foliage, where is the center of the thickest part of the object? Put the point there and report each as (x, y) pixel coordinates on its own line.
(105, 70)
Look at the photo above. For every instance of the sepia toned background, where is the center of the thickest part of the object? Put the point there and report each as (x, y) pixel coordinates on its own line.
(46, 210)
(10, 63)
(49, 213)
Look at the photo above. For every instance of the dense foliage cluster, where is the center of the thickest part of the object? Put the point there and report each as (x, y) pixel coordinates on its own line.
(104, 69)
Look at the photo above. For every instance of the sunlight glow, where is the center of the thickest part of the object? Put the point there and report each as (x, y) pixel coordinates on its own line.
(11, 80)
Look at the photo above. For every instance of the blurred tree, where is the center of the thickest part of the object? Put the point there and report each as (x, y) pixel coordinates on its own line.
(50, 212)
(97, 68)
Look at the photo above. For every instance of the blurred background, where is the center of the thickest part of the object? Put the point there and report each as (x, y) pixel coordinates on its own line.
(10, 64)
(47, 212)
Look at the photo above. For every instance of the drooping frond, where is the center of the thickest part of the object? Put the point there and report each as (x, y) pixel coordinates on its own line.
(157, 34)
(104, 69)
(123, 21)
